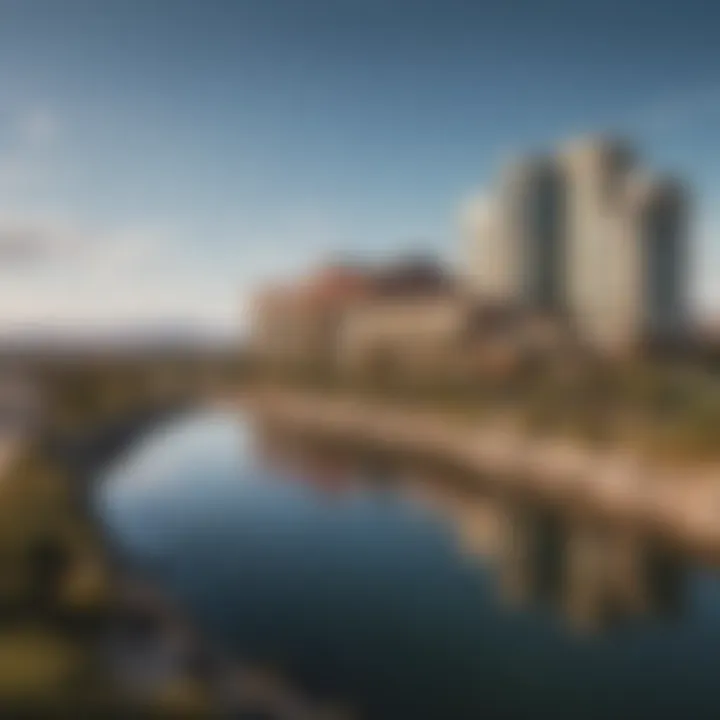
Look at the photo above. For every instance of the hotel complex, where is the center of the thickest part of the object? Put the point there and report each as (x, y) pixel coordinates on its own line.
(590, 237)
(581, 248)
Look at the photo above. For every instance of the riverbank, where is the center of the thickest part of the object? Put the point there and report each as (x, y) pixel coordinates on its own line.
(153, 643)
(82, 634)
(152, 647)
(678, 502)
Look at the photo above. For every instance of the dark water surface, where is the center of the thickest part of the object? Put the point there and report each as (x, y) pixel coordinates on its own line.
(405, 593)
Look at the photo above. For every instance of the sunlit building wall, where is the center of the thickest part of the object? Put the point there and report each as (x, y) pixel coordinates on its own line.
(601, 260)
(488, 269)
(626, 248)
(515, 240)
(389, 334)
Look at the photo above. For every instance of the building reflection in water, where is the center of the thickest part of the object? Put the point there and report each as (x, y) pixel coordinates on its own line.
(596, 575)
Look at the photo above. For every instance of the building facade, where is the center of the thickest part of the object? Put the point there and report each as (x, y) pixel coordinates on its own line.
(582, 246)
(626, 250)
(300, 322)
(587, 236)
(391, 335)
(531, 225)
(660, 218)
(515, 240)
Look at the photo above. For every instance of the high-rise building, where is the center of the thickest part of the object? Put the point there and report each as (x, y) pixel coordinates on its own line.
(488, 267)
(531, 221)
(600, 259)
(657, 211)
(589, 237)
(626, 242)
(516, 238)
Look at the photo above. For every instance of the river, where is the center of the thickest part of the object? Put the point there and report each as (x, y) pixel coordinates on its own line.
(406, 592)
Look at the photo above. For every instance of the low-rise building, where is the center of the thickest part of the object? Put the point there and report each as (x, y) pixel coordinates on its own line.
(407, 319)
(403, 333)
(299, 322)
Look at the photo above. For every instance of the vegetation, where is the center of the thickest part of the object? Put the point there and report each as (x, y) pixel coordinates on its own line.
(57, 594)
(56, 583)
(667, 411)
(58, 588)
(54, 594)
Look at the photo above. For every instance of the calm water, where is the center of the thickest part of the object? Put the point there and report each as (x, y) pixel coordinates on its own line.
(406, 593)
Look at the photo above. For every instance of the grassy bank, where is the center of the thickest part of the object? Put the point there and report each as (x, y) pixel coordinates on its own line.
(665, 412)
(57, 600)
(58, 594)
(61, 592)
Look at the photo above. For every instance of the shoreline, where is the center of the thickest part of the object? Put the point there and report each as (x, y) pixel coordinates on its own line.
(680, 504)
(174, 649)
(150, 641)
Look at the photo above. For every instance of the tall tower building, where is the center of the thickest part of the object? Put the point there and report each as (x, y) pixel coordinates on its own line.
(657, 212)
(515, 241)
(532, 220)
(488, 268)
(626, 247)
(587, 236)
(601, 258)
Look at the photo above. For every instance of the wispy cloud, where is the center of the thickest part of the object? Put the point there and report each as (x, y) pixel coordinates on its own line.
(60, 272)
(41, 240)
(36, 239)
(61, 265)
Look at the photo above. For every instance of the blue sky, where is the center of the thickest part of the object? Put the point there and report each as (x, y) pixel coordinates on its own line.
(159, 158)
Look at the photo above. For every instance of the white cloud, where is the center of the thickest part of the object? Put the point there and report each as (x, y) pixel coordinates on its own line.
(43, 240)
(59, 267)
(37, 238)
(95, 301)
(148, 247)
(60, 272)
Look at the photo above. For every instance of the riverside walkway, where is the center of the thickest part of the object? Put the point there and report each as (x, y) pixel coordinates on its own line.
(682, 504)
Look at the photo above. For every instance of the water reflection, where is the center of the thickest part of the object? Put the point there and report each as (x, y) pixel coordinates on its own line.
(411, 591)
(595, 575)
